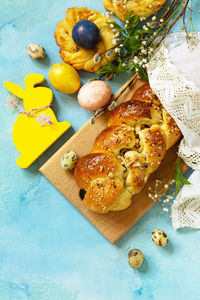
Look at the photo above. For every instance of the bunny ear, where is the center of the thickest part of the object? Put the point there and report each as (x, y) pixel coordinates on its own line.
(32, 80)
(14, 89)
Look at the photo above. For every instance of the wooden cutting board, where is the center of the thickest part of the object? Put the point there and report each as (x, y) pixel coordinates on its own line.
(114, 224)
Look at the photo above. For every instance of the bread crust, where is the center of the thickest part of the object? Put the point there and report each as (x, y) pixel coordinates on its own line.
(144, 8)
(125, 153)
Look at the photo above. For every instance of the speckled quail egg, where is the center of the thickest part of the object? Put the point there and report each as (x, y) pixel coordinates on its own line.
(35, 51)
(69, 160)
(159, 237)
(135, 258)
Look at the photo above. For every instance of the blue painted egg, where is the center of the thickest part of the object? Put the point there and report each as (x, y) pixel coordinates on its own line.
(86, 34)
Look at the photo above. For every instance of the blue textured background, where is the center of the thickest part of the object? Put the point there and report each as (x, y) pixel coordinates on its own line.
(48, 250)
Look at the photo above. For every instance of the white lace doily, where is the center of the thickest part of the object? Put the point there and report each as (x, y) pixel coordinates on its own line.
(174, 76)
(186, 207)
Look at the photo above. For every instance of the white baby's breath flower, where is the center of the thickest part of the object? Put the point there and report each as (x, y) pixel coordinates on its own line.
(143, 51)
(117, 50)
(116, 35)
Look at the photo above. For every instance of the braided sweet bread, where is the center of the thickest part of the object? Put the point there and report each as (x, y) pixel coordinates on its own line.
(79, 58)
(144, 8)
(124, 154)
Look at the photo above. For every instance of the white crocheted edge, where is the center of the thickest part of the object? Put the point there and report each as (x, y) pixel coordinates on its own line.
(176, 39)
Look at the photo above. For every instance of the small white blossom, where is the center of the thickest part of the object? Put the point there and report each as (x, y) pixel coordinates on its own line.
(43, 119)
(143, 51)
(11, 102)
(116, 35)
(165, 209)
(153, 18)
(117, 50)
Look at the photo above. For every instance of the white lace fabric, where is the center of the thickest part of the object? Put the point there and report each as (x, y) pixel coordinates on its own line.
(174, 76)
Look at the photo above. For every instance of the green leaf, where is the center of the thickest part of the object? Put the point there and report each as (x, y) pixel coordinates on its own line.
(132, 44)
(109, 68)
(114, 67)
(141, 72)
(180, 179)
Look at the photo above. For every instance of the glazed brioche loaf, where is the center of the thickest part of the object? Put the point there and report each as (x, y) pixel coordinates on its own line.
(124, 154)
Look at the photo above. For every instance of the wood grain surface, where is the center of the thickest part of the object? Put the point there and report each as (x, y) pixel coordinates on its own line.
(114, 224)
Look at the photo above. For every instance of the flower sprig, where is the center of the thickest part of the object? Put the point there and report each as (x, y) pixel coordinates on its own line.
(42, 119)
(136, 41)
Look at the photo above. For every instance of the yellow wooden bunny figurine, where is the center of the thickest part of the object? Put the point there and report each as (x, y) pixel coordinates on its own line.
(30, 138)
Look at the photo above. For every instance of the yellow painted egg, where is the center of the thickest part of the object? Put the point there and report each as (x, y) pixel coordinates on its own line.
(94, 95)
(64, 78)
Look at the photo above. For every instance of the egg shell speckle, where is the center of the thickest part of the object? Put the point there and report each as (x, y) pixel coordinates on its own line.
(94, 95)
